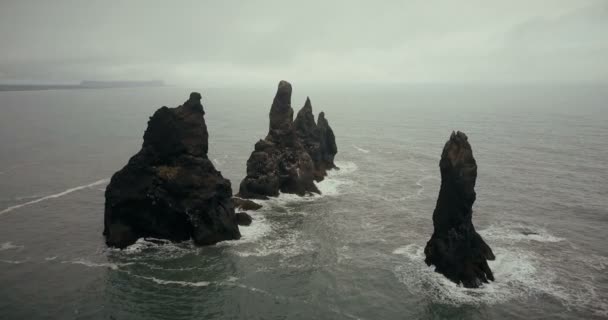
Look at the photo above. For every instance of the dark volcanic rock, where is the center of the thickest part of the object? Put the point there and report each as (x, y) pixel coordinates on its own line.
(329, 149)
(456, 249)
(245, 204)
(317, 139)
(243, 219)
(279, 162)
(170, 189)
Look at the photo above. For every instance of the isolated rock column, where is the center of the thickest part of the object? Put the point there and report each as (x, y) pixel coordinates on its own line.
(455, 248)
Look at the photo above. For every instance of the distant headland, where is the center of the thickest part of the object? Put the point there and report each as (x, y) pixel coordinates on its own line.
(85, 84)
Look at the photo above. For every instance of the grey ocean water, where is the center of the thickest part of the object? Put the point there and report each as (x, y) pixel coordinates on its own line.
(356, 252)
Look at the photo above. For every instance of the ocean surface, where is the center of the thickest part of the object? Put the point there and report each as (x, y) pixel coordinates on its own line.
(356, 251)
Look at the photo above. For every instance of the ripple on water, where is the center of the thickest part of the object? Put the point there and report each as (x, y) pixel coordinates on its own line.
(9, 246)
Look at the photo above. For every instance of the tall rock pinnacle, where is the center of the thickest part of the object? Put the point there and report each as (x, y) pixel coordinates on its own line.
(455, 248)
(317, 138)
(279, 163)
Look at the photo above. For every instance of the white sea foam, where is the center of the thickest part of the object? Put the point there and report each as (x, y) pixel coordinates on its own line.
(221, 161)
(336, 180)
(169, 282)
(346, 167)
(143, 243)
(259, 228)
(13, 261)
(157, 267)
(360, 149)
(56, 195)
(175, 282)
(293, 244)
(511, 233)
(286, 298)
(421, 186)
(159, 248)
(332, 185)
(91, 264)
(519, 274)
(597, 262)
(290, 245)
(10, 246)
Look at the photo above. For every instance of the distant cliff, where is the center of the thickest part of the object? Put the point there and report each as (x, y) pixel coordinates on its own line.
(86, 84)
(121, 84)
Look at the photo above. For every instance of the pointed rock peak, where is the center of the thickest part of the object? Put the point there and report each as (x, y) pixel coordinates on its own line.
(193, 103)
(456, 136)
(307, 104)
(195, 96)
(458, 150)
(322, 115)
(281, 113)
(283, 95)
(305, 124)
(305, 114)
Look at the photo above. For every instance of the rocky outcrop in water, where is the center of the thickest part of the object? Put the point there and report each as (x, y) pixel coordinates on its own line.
(279, 163)
(455, 248)
(170, 189)
(317, 138)
(244, 204)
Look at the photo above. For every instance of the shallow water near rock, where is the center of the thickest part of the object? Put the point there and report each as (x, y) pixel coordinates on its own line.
(354, 252)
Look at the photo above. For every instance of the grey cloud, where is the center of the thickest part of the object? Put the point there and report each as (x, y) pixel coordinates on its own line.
(224, 42)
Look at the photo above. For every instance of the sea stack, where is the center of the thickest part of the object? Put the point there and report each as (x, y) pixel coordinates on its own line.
(317, 138)
(170, 189)
(279, 163)
(455, 248)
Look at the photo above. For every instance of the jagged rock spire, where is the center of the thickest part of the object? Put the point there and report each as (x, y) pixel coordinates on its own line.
(279, 163)
(455, 248)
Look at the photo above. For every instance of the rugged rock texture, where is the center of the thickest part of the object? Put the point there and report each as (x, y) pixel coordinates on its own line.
(456, 249)
(317, 138)
(170, 189)
(243, 219)
(329, 149)
(279, 162)
(244, 204)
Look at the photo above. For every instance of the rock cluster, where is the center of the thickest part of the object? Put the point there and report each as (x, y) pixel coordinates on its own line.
(280, 162)
(170, 189)
(455, 248)
(317, 138)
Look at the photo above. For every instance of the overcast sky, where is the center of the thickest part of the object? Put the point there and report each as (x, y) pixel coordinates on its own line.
(225, 42)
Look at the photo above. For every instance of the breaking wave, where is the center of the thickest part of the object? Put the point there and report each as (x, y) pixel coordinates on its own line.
(360, 149)
(56, 195)
(9, 246)
(512, 233)
(518, 275)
